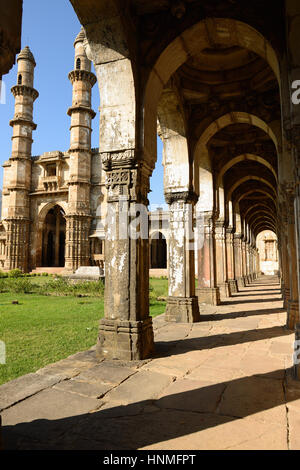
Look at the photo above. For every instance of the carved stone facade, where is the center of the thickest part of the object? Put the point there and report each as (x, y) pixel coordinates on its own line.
(50, 202)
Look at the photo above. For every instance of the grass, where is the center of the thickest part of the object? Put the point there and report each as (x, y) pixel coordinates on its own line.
(48, 325)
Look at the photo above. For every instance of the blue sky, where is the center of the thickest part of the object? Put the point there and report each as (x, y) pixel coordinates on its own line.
(49, 29)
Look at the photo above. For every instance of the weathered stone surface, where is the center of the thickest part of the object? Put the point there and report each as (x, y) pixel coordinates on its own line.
(191, 395)
(253, 396)
(145, 385)
(107, 373)
(91, 390)
(217, 391)
(47, 414)
(23, 387)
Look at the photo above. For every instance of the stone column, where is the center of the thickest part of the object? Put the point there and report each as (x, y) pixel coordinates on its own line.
(182, 304)
(238, 261)
(249, 260)
(126, 331)
(244, 261)
(230, 261)
(77, 241)
(285, 272)
(293, 303)
(17, 242)
(221, 259)
(207, 291)
(57, 235)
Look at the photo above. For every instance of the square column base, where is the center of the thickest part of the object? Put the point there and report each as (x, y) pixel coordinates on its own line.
(225, 289)
(241, 282)
(182, 310)
(125, 340)
(233, 286)
(208, 295)
(292, 314)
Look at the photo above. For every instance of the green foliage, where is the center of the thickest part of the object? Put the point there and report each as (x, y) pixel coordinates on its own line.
(20, 285)
(63, 286)
(14, 273)
(40, 330)
(158, 288)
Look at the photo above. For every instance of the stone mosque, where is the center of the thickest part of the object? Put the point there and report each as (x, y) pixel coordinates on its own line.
(55, 220)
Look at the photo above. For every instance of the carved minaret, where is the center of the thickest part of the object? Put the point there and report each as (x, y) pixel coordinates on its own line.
(79, 216)
(17, 171)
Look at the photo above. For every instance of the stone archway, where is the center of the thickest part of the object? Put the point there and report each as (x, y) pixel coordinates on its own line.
(158, 251)
(54, 238)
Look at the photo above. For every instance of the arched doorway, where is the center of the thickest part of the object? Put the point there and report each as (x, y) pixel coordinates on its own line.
(54, 238)
(158, 251)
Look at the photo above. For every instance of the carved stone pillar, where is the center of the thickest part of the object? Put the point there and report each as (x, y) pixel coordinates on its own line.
(182, 304)
(244, 262)
(126, 331)
(238, 259)
(249, 262)
(77, 251)
(207, 291)
(17, 243)
(293, 303)
(284, 256)
(221, 262)
(230, 261)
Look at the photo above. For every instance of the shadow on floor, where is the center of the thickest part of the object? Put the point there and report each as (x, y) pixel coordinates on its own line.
(245, 293)
(230, 316)
(167, 348)
(149, 422)
(251, 301)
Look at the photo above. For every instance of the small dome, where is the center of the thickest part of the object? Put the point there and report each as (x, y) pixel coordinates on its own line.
(26, 54)
(80, 37)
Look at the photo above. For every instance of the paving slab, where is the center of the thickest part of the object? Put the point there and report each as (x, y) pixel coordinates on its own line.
(85, 389)
(47, 414)
(24, 387)
(106, 372)
(223, 383)
(144, 385)
(191, 395)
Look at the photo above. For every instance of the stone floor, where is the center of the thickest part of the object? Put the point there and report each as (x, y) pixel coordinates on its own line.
(224, 383)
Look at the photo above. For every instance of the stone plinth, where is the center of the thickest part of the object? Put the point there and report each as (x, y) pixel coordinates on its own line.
(233, 286)
(125, 340)
(182, 310)
(208, 295)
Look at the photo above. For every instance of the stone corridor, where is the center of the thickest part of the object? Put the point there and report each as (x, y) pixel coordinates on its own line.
(224, 383)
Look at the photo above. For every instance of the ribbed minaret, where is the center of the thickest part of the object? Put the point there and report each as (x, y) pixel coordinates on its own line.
(79, 216)
(17, 171)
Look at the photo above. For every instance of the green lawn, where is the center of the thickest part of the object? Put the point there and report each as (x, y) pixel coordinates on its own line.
(44, 329)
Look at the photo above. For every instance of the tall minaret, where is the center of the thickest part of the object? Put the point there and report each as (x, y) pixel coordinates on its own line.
(17, 171)
(79, 216)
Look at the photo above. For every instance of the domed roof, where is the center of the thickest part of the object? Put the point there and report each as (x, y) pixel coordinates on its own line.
(81, 36)
(26, 54)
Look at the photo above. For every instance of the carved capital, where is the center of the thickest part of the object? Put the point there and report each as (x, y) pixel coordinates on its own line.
(184, 196)
(120, 159)
(132, 184)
